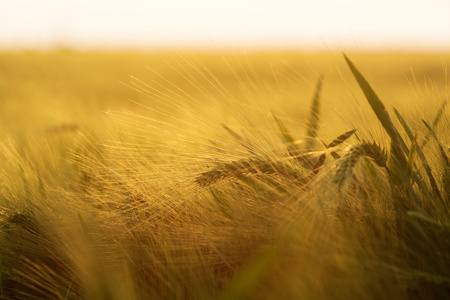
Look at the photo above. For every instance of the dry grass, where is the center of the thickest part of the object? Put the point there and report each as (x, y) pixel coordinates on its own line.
(163, 201)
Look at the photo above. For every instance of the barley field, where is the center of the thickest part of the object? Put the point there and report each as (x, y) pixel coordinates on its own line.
(224, 175)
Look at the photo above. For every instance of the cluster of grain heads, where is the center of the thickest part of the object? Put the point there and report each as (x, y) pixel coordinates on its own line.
(403, 170)
(402, 164)
(306, 161)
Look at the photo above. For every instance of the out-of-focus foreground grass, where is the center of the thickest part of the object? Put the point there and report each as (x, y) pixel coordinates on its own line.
(180, 181)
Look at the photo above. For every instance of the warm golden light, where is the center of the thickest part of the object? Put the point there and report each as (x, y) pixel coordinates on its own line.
(240, 149)
(323, 24)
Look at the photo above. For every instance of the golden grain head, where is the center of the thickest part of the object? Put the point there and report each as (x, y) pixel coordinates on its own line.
(251, 166)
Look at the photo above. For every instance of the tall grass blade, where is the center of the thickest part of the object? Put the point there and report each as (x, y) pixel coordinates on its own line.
(375, 102)
(284, 132)
(381, 113)
(400, 185)
(83, 224)
(411, 157)
(292, 147)
(441, 225)
(339, 140)
(444, 155)
(446, 183)
(436, 120)
(421, 155)
(319, 163)
(402, 190)
(445, 171)
(342, 138)
(314, 114)
(333, 153)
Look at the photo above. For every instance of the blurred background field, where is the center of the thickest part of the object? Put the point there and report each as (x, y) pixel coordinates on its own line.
(41, 91)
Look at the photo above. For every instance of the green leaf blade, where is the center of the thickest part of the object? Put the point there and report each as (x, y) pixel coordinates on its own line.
(411, 157)
(314, 113)
(381, 113)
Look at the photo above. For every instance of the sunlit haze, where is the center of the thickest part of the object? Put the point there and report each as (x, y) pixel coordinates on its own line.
(240, 24)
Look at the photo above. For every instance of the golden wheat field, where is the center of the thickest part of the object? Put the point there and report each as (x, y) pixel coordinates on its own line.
(224, 175)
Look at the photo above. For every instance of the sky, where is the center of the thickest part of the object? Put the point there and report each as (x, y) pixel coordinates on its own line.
(238, 24)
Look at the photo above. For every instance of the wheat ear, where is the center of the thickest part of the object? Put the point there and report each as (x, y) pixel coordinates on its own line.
(348, 162)
(244, 167)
